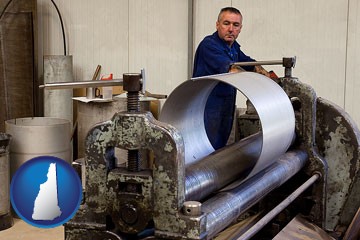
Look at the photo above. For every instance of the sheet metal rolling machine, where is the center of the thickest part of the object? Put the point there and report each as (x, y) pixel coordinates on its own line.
(298, 156)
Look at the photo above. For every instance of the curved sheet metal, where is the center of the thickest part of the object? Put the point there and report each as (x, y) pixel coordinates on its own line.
(184, 109)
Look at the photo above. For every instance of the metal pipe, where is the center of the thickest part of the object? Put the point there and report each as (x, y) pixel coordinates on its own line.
(287, 62)
(82, 84)
(222, 167)
(271, 62)
(226, 206)
(274, 212)
(58, 104)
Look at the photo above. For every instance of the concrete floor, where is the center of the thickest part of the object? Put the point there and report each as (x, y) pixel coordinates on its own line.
(23, 231)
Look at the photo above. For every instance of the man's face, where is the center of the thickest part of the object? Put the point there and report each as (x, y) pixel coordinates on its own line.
(229, 26)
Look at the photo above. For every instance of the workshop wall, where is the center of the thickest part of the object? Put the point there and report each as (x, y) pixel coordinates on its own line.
(122, 36)
(352, 86)
(127, 35)
(323, 35)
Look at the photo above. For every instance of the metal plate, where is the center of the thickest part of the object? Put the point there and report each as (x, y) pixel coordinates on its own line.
(184, 109)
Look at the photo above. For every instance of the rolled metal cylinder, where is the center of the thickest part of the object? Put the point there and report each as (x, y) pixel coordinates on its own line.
(222, 167)
(58, 104)
(185, 106)
(226, 206)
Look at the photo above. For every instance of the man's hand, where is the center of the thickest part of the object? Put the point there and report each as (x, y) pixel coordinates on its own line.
(236, 69)
(258, 69)
(271, 74)
(261, 70)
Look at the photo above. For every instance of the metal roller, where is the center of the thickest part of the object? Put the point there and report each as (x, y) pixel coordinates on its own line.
(184, 109)
(222, 167)
(226, 206)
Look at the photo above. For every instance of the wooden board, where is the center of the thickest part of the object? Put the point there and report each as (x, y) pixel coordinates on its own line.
(301, 229)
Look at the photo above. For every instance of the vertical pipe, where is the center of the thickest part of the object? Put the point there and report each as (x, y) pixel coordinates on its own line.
(58, 104)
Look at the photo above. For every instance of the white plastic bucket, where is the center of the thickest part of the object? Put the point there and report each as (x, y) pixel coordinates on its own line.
(38, 136)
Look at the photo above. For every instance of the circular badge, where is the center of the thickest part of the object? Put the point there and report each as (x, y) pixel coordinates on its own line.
(46, 192)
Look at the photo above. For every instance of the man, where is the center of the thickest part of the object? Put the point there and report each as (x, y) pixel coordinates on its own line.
(214, 55)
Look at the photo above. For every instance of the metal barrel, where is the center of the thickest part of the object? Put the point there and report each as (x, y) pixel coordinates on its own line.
(5, 216)
(222, 167)
(227, 205)
(38, 136)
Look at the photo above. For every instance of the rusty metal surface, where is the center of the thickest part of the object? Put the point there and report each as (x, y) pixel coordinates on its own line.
(129, 201)
(90, 234)
(304, 98)
(93, 113)
(160, 199)
(338, 138)
(248, 124)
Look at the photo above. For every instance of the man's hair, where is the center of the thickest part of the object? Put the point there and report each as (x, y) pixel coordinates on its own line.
(229, 9)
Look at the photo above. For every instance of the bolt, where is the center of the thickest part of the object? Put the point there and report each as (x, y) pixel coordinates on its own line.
(289, 64)
(131, 82)
(129, 214)
(133, 86)
(192, 208)
(133, 161)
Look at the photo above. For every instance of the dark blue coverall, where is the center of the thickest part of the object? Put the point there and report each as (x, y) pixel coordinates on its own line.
(214, 56)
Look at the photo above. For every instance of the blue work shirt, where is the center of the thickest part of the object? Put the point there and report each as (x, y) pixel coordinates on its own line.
(214, 56)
